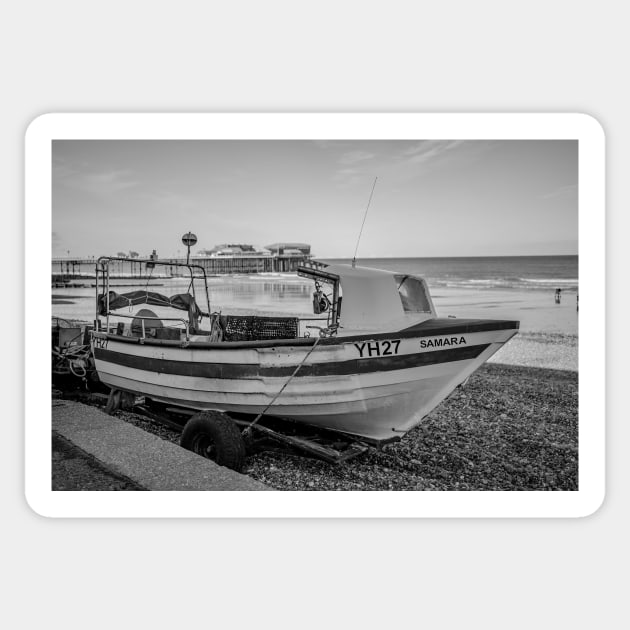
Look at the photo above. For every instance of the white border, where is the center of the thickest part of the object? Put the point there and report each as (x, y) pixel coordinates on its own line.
(38, 195)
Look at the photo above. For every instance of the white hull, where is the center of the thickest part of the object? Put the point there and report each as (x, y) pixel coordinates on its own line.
(337, 387)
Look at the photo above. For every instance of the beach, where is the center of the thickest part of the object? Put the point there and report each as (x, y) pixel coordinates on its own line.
(540, 350)
(513, 426)
(509, 428)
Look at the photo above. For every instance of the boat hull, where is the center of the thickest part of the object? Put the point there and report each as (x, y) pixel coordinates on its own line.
(374, 387)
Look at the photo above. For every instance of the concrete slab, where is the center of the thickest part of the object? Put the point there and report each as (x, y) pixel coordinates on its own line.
(147, 459)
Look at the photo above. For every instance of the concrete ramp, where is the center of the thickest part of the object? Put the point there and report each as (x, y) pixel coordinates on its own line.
(150, 461)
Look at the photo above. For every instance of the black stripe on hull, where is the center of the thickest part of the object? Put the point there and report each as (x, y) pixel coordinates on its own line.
(456, 326)
(243, 370)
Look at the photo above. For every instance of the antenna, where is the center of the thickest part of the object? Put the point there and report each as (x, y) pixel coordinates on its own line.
(354, 258)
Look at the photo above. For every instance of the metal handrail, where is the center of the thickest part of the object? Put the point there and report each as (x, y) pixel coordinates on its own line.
(102, 265)
(186, 322)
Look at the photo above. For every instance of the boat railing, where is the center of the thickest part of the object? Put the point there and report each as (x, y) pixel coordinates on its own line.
(197, 273)
(143, 318)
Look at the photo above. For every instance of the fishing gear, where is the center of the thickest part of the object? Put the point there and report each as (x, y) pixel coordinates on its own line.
(321, 302)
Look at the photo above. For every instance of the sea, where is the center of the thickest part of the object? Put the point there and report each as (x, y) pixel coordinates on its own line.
(497, 287)
(492, 272)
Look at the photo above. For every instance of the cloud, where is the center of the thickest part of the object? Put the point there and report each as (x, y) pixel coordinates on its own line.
(107, 182)
(347, 172)
(175, 201)
(101, 183)
(400, 161)
(61, 170)
(351, 171)
(352, 157)
(348, 176)
(563, 192)
(427, 150)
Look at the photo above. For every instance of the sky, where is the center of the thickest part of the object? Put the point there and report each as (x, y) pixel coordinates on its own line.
(431, 198)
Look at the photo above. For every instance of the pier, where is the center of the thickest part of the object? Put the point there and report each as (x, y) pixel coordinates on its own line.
(278, 258)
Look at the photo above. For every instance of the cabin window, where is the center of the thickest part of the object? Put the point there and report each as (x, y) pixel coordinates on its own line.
(413, 294)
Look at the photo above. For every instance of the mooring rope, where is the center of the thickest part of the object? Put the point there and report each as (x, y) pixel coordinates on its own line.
(264, 411)
(146, 286)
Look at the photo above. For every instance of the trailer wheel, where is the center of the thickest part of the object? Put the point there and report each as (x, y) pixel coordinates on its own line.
(215, 436)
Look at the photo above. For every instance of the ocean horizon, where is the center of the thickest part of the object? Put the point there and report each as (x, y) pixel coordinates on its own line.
(500, 272)
(537, 272)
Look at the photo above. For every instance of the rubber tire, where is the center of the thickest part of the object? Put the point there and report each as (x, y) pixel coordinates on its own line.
(217, 430)
(127, 400)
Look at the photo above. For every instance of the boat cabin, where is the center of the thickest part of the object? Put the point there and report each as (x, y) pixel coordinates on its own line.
(366, 299)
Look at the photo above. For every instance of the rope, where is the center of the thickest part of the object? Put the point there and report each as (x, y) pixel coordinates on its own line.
(77, 374)
(264, 411)
(146, 286)
(216, 333)
(71, 356)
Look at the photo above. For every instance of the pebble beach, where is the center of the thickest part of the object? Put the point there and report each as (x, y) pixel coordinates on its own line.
(509, 428)
(513, 426)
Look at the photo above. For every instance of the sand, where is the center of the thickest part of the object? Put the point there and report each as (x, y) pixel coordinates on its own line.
(541, 350)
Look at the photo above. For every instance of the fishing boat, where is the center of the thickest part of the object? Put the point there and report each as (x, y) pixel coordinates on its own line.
(371, 364)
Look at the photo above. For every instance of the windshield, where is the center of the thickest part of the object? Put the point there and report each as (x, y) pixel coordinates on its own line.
(413, 294)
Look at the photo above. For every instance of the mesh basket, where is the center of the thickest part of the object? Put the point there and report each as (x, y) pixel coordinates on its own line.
(253, 328)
